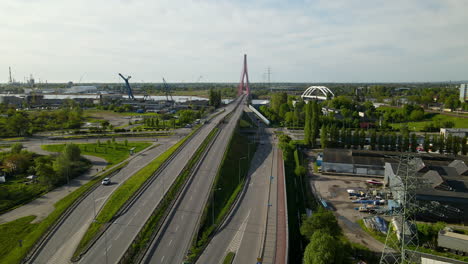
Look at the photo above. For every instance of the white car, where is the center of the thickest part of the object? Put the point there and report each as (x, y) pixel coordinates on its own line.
(106, 181)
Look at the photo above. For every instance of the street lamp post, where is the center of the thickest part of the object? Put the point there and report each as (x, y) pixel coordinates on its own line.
(240, 168)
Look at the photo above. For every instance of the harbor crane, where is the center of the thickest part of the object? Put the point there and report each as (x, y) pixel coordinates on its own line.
(129, 89)
(167, 91)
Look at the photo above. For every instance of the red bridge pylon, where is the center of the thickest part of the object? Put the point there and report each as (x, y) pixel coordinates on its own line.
(244, 81)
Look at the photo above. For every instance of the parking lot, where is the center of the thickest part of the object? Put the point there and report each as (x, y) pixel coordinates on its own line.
(333, 189)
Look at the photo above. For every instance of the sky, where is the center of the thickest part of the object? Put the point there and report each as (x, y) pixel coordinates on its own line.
(187, 41)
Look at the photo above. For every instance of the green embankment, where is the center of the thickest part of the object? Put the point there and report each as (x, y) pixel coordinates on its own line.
(113, 153)
(31, 233)
(120, 196)
(228, 186)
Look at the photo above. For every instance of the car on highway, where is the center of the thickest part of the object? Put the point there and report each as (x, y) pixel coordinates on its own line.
(106, 181)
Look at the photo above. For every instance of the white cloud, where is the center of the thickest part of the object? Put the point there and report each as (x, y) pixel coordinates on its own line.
(181, 40)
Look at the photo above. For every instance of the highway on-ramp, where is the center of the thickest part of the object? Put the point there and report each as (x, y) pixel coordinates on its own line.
(172, 243)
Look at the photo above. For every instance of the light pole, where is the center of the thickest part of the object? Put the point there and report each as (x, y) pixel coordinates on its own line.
(240, 167)
(105, 237)
(213, 206)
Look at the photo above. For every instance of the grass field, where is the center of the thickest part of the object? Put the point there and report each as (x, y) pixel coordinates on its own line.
(418, 126)
(123, 193)
(13, 232)
(29, 234)
(229, 258)
(113, 153)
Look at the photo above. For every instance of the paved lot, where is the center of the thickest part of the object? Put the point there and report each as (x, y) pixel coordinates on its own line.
(333, 189)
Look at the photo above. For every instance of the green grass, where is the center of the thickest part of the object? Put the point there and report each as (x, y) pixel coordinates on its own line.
(14, 231)
(123, 193)
(229, 258)
(16, 253)
(113, 154)
(418, 126)
(377, 235)
(13, 139)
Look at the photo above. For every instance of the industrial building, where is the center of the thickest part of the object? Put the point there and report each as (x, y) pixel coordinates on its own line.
(442, 191)
(81, 90)
(358, 162)
(455, 132)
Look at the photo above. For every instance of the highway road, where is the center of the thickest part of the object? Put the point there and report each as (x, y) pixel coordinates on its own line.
(111, 246)
(244, 231)
(60, 248)
(173, 241)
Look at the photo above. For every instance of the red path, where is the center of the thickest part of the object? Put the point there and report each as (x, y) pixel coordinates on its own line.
(281, 239)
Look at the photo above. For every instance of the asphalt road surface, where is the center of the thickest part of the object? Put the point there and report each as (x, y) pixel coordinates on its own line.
(112, 245)
(172, 243)
(244, 231)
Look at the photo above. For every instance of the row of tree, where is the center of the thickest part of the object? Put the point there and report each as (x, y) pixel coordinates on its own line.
(334, 137)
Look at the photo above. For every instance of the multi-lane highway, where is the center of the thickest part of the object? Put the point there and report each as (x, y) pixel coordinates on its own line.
(116, 239)
(243, 233)
(60, 247)
(112, 244)
(173, 241)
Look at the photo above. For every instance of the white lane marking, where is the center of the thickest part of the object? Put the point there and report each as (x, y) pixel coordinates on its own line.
(109, 247)
(177, 228)
(191, 196)
(170, 242)
(237, 239)
(182, 216)
(120, 233)
(99, 199)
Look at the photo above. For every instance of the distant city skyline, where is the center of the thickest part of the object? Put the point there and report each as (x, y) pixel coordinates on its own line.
(300, 40)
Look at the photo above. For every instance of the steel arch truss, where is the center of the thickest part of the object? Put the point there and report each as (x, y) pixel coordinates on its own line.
(318, 92)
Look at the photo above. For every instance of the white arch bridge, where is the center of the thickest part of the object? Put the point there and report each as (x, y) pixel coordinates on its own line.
(317, 93)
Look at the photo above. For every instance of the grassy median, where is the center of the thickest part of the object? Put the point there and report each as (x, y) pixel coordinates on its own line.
(29, 234)
(120, 196)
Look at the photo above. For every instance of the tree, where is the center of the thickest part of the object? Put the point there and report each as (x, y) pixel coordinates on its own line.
(464, 148)
(449, 144)
(456, 145)
(373, 140)
(427, 143)
(322, 219)
(44, 170)
(307, 125)
(441, 143)
(316, 112)
(324, 249)
(414, 142)
(72, 152)
(16, 148)
(324, 137)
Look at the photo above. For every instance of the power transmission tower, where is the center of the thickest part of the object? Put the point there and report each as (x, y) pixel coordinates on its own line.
(400, 246)
(269, 74)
